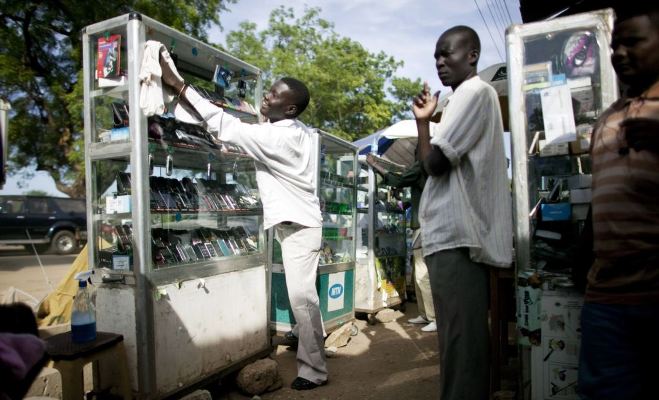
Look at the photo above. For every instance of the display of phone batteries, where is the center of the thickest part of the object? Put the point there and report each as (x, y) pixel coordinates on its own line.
(170, 247)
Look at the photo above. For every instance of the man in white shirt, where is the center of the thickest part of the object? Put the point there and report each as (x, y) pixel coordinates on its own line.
(285, 172)
(466, 222)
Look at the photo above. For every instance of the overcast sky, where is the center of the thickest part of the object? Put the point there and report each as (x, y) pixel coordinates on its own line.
(404, 29)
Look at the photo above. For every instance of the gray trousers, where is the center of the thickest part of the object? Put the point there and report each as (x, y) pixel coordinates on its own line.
(300, 253)
(459, 288)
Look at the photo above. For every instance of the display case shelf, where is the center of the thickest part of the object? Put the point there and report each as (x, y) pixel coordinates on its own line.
(560, 80)
(382, 247)
(117, 92)
(174, 217)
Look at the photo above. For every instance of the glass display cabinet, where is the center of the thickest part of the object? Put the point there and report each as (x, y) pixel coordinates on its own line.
(336, 162)
(560, 80)
(176, 237)
(381, 241)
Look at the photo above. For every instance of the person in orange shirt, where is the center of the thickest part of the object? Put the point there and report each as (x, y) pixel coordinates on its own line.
(620, 316)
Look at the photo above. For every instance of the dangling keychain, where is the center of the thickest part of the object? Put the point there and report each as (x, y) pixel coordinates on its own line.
(209, 168)
(169, 162)
(234, 174)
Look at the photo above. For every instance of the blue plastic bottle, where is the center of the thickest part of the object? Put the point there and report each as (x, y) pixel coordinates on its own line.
(83, 316)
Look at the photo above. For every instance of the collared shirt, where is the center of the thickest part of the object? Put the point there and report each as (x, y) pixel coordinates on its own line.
(470, 205)
(625, 209)
(285, 166)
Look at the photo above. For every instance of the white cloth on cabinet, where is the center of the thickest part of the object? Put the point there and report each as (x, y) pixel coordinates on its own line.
(152, 94)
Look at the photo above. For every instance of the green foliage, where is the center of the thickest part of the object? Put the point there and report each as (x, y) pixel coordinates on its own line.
(404, 90)
(354, 92)
(40, 62)
(348, 84)
(36, 193)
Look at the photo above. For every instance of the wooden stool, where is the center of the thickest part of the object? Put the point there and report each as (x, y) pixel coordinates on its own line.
(69, 358)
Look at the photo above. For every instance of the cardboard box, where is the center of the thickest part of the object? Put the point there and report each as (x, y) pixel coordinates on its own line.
(580, 146)
(556, 211)
(580, 181)
(552, 166)
(578, 196)
(580, 211)
(554, 149)
(528, 314)
(584, 99)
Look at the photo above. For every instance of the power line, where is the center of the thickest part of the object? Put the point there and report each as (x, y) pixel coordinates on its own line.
(500, 16)
(488, 30)
(503, 14)
(497, 22)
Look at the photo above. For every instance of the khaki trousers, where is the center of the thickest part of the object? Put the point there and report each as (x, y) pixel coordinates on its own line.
(300, 253)
(422, 286)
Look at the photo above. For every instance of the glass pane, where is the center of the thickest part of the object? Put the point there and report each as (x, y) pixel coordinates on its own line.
(109, 88)
(112, 228)
(562, 86)
(204, 205)
(337, 197)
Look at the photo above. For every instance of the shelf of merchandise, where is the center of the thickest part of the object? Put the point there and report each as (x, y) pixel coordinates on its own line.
(558, 70)
(175, 224)
(381, 245)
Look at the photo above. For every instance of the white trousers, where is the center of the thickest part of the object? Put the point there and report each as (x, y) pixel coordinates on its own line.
(300, 247)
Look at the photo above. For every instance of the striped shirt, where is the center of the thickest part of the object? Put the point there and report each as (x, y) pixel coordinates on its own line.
(470, 205)
(625, 209)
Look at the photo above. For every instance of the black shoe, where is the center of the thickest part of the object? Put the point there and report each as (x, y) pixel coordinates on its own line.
(290, 336)
(304, 384)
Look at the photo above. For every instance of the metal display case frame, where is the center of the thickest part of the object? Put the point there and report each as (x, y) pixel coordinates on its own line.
(381, 278)
(335, 280)
(570, 54)
(192, 319)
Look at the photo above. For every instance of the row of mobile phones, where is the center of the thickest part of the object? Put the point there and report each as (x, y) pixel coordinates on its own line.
(171, 194)
(170, 247)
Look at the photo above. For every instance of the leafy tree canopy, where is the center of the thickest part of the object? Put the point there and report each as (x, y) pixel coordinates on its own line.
(348, 84)
(354, 92)
(40, 63)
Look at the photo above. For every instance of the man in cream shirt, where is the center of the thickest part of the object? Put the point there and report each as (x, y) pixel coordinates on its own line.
(283, 149)
(466, 222)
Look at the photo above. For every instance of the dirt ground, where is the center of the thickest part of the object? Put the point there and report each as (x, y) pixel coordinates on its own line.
(392, 360)
(386, 361)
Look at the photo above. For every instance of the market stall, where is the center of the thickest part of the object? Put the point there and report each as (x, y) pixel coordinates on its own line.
(382, 245)
(336, 161)
(560, 79)
(175, 223)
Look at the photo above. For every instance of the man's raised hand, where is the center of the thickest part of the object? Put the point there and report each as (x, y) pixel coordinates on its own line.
(170, 77)
(424, 104)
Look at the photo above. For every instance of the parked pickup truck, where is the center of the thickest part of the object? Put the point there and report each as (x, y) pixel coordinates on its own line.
(49, 223)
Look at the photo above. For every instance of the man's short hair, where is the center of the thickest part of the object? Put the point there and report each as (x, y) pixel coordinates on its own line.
(300, 93)
(633, 8)
(469, 34)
